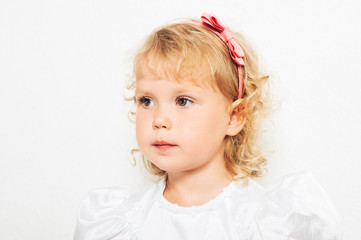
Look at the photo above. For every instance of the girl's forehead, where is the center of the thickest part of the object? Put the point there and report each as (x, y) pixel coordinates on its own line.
(151, 73)
(169, 83)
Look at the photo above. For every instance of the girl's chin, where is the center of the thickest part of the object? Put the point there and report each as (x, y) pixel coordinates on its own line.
(168, 167)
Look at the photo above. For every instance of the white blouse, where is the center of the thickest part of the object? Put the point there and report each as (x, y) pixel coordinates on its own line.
(295, 208)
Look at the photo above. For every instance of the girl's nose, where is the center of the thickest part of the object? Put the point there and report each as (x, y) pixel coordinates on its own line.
(161, 120)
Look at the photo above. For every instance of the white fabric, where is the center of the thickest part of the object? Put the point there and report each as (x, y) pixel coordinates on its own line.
(295, 208)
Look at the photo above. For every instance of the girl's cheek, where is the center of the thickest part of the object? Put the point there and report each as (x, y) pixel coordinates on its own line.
(143, 118)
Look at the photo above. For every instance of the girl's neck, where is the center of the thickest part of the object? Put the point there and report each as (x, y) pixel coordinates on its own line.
(196, 189)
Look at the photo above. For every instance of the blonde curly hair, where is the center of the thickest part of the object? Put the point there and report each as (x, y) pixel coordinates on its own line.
(190, 52)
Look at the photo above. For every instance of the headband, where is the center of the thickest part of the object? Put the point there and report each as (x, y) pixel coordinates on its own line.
(211, 22)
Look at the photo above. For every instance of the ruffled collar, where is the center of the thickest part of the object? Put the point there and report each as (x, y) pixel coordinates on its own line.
(193, 210)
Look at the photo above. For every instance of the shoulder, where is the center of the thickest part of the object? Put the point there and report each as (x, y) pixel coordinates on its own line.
(295, 207)
(109, 213)
(102, 214)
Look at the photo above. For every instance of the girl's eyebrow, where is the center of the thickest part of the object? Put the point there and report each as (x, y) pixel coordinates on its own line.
(186, 92)
(177, 90)
(141, 90)
(194, 89)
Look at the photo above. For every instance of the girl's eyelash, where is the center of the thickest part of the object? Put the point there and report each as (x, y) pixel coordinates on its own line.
(146, 101)
(182, 101)
(143, 98)
(187, 99)
(140, 99)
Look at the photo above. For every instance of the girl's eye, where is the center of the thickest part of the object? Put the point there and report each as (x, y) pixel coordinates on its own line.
(184, 102)
(146, 102)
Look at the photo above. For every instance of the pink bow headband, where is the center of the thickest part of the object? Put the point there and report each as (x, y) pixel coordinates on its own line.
(211, 22)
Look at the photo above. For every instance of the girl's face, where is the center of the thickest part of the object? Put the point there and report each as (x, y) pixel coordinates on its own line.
(180, 127)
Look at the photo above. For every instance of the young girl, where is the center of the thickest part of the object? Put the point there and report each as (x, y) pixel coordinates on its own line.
(198, 92)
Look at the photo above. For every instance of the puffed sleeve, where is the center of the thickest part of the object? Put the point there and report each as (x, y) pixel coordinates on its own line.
(102, 215)
(296, 208)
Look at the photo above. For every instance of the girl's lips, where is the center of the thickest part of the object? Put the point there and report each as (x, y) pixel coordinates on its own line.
(163, 145)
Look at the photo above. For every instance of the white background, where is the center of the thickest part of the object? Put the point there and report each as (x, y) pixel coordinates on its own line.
(63, 121)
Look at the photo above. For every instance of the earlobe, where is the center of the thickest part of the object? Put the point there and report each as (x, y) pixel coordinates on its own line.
(237, 118)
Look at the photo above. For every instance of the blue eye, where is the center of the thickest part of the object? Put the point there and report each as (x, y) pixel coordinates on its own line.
(184, 102)
(146, 102)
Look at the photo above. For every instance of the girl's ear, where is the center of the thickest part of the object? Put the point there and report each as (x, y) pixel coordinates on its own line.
(237, 118)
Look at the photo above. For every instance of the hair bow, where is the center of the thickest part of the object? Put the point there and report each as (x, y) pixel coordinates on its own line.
(211, 22)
